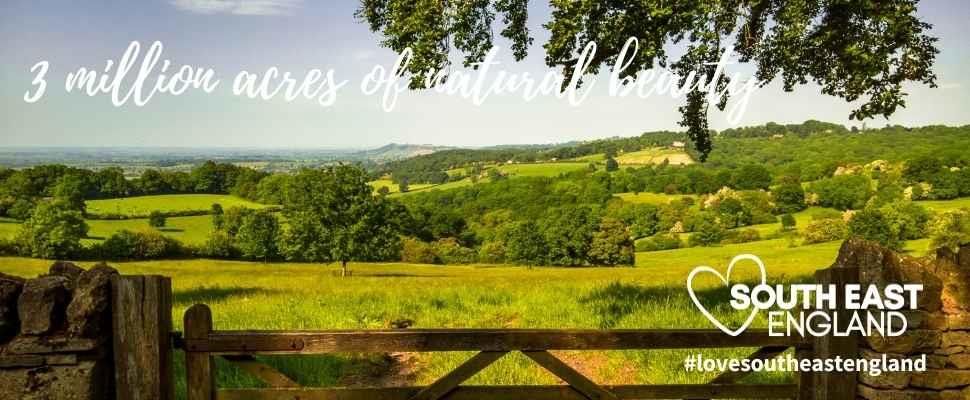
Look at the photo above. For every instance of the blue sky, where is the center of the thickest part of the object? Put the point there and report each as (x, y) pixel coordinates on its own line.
(297, 35)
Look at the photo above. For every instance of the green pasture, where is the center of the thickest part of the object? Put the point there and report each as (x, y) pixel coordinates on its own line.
(550, 169)
(192, 230)
(655, 155)
(271, 296)
(143, 205)
(652, 198)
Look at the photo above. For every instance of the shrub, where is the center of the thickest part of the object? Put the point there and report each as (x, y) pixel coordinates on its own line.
(741, 236)
(492, 252)
(661, 241)
(156, 219)
(142, 245)
(872, 224)
(708, 231)
(825, 230)
(788, 222)
(54, 230)
(20, 209)
(449, 251)
(417, 252)
(908, 218)
(219, 245)
(950, 229)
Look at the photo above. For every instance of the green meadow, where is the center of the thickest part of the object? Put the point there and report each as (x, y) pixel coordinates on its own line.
(143, 205)
(542, 169)
(270, 296)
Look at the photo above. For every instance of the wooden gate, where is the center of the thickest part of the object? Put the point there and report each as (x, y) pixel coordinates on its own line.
(201, 344)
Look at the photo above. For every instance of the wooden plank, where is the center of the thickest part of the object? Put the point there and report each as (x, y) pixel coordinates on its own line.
(575, 379)
(462, 373)
(764, 353)
(836, 386)
(199, 367)
(141, 318)
(21, 361)
(418, 340)
(263, 372)
(530, 392)
(805, 379)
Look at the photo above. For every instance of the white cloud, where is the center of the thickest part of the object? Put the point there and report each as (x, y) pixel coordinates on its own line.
(238, 7)
(953, 85)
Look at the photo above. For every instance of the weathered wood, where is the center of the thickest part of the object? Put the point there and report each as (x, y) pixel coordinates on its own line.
(569, 375)
(142, 320)
(764, 353)
(199, 366)
(263, 372)
(421, 340)
(462, 373)
(805, 379)
(21, 361)
(836, 386)
(531, 392)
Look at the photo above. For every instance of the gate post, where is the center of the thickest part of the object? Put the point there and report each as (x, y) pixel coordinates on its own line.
(141, 319)
(835, 385)
(199, 366)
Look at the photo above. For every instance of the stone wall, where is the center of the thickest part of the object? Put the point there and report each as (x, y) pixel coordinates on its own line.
(940, 328)
(55, 334)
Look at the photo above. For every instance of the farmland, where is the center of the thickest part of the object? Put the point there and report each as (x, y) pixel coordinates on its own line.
(655, 156)
(143, 205)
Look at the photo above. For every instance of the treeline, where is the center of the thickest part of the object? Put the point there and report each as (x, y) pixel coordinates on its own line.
(431, 168)
(21, 190)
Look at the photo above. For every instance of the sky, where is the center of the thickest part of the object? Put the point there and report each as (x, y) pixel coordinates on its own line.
(229, 36)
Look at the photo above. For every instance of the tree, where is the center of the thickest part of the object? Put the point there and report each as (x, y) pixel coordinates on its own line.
(54, 230)
(751, 176)
(258, 235)
(951, 229)
(789, 198)
(860, 50)
(567, 232)
(334, 216)
(218, 216)
(612, 165)
(156, 219)
(71, 189)
(788, 222)
(707, 231)
(611, 244)
(871, 224)
(524, 244)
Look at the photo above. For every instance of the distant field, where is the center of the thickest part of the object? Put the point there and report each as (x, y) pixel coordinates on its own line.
(542, 169)
(394, 188)
(946, 205)
(189, 230)
(143, 205)
(8, 227)
(655, 156)
(652, 198)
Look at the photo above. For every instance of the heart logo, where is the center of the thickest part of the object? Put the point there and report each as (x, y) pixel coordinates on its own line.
(726, 279)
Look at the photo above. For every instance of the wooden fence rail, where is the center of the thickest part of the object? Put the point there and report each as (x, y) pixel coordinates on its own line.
(142, 310)
(202, 344)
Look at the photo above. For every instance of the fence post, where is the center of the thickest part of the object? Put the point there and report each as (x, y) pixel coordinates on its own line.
(837, 385)
(141, 320)
(199, 366)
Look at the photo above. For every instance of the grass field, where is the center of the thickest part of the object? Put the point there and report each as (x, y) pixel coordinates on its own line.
(189, 230)
(542, 169)
(143, 205)
(655, 156)
(308, 296)
(651, 198)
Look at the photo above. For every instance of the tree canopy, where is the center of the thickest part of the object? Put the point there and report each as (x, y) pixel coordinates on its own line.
(858, 50)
